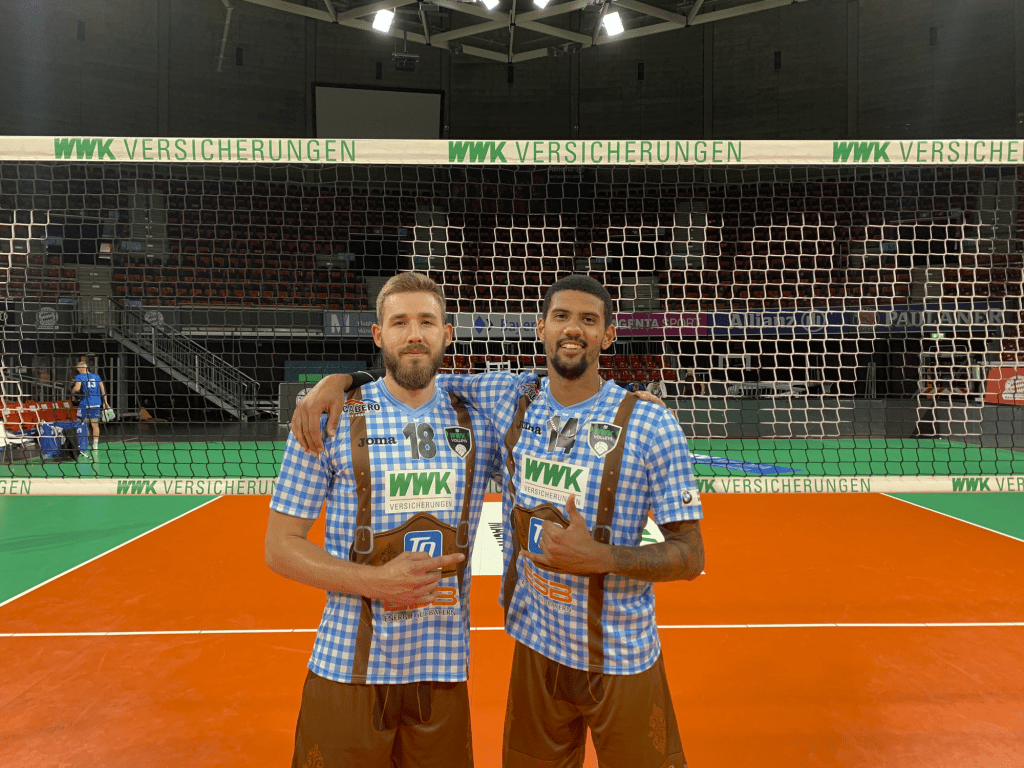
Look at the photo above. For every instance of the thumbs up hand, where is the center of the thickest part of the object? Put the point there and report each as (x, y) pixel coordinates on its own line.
(572, 549)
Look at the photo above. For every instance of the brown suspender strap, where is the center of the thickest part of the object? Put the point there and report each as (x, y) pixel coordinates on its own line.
(463, 535)
(603, 533)
(363, 546)
(511, 438)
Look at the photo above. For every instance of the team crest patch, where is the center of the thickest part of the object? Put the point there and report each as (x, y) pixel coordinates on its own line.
(459, 439)
(603, 437)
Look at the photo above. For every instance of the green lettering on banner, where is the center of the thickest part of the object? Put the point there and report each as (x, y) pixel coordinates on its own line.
(15, 487)
(181, 149)
(705, 485)
(130, 149)
(716, 151)
(645, 151)
(593, 155)
(329, 152)
(348, 148)
(147, 149)
(1011, 154)
(570, 151)
(202, 149)
(223, 146)
(614, 149)
(294, 150)
(970, 484)
(735, 151)
(995, 148)
(242, 149)
(280, 151)
(312, 150)
(683, 151)
(937, 152)
(257, 150)
(700, 151)
(554, 152)
(630, 151)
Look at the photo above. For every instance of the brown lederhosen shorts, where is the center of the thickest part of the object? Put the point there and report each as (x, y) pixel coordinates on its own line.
(550, 707)
(414, 725)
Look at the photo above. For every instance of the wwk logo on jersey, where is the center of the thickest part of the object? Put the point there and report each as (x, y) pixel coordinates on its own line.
(603, 437)
(536, 529)
(424, 541)
(412, 490)
(553, 480)
(459, 439)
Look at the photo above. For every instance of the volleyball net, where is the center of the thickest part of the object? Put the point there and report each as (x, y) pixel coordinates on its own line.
(821, 316)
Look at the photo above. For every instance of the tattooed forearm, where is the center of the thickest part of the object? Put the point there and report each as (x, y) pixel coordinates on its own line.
(680, 556)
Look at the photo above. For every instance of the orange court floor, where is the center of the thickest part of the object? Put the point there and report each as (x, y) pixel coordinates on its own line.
(829, 630)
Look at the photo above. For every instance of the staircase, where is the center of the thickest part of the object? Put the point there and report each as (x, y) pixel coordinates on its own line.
(184, 360)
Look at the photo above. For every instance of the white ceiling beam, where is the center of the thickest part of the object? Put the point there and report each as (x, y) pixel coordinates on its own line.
(553, 10)
(331, 9)
(471, 8)
(483, 53)
(693, 11)
(301, 10)
(632, 34)
(565, 34)
(742, 10)
(537, 53)
(650, 10)
(475, 29)
(367, 10)
(398, 34)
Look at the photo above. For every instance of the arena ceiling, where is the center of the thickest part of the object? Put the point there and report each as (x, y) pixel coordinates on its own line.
(518, 30)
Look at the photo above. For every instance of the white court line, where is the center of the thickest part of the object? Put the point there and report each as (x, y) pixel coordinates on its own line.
(193, 632)
(102, 554)
(952, 517)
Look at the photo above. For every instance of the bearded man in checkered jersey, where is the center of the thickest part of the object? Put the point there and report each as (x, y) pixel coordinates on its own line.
(577, 586)
(403, 479)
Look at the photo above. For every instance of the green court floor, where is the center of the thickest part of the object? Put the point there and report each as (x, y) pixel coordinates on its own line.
(907, 457)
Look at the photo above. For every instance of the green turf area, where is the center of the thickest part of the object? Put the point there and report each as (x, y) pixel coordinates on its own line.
(907, 457)
(1003, 512)
(180, 459)
(44, 536)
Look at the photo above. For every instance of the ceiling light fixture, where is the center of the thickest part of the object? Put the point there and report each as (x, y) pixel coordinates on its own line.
(612, 23)
(382, 21)
(490, 5)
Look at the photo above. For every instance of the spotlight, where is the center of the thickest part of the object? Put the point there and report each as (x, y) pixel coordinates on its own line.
(541, 3)
(612, 23)
(382, 21)
(490, 5)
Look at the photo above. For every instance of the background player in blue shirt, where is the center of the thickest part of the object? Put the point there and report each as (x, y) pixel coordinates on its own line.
(94, 401)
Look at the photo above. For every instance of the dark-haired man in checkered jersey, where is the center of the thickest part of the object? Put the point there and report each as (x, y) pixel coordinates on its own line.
(584, 462)
(403, 479)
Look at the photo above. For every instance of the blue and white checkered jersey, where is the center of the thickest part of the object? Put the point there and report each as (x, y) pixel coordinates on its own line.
(561, 452)
(414, 459)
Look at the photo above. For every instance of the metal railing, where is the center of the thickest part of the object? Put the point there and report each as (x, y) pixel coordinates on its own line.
(185, 360)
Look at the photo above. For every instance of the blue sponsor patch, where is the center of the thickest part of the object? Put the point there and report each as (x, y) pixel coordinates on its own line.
(536, 529)
(749, 467)
(424, 541)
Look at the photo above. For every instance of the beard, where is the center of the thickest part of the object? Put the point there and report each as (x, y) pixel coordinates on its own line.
(410, 375)
(569, 371)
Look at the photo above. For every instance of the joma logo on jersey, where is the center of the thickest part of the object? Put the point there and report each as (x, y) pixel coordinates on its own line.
(419, 483)
(424, 541)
